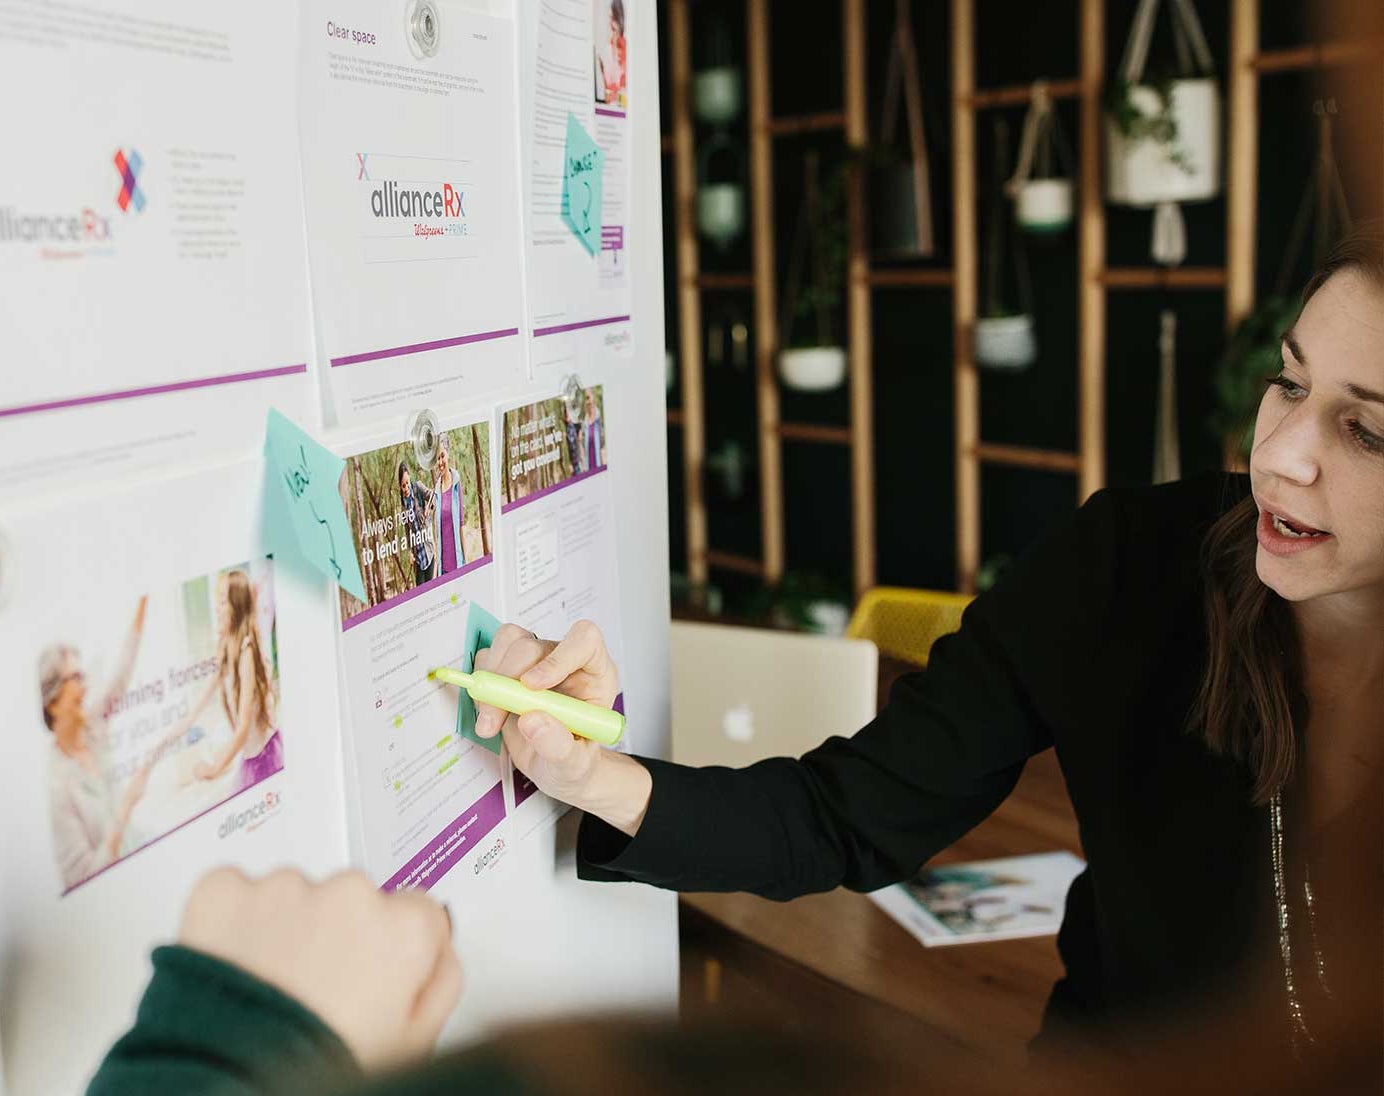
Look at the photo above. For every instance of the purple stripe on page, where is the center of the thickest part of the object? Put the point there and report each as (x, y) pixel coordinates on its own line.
(610, 113)
(523, 787)
(539, 332)
(507, 507)
(446, 850)
(153, 390)
(408, 595)
(424, 347)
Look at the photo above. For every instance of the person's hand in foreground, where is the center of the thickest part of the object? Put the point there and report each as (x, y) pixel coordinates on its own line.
(378, 969)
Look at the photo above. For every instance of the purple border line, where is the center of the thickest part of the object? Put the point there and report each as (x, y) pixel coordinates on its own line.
(568, 482)
(424, 347)
(408, 595)
(560, 328)
(153, 390)
(610, 113)
(169, 833)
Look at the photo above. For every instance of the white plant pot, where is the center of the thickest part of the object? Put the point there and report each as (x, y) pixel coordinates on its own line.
(721, 211)
(1142, 173)
(813, 368)
(1006, 342)
(1044, 206)
(716, 95)
(828, 618)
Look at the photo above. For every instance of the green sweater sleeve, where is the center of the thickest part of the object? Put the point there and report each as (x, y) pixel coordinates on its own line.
(207, 1027)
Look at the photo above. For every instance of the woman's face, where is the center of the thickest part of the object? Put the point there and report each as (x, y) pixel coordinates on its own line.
(71, 698)
(442, 466)
(1318, 458)
(404, 484)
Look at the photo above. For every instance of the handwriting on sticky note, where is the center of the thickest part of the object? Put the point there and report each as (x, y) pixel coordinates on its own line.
(308, 518)
(583, 168)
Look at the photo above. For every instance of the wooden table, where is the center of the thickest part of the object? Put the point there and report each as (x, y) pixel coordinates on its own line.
(806, 960)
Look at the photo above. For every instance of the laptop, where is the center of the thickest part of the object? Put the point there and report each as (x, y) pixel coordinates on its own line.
(743, 694)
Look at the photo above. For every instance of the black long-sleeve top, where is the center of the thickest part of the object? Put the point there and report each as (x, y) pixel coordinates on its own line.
(1093, 644)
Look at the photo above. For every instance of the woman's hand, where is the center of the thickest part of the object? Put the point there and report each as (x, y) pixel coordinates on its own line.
(379, 969)
(205, 770)
(564, 766)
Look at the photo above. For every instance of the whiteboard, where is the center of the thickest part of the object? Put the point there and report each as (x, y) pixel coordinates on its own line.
(534, 941)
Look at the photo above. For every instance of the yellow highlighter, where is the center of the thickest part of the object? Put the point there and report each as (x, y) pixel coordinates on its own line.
(587, 720)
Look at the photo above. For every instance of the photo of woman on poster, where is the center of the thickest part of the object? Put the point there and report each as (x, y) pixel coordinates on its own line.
(595, 434)
(242, 683)
(611, 53)
(448, 513)
(415, 507)
(88, 825)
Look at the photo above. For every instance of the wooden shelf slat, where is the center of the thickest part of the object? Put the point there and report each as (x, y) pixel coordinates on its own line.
(1325, 55)
(676, 417)
(1018, 456)
(1019, 94)
(725, 281)
(815, 432)
(1186, 277)
(731, 561)
(903, 276)
(823, 122)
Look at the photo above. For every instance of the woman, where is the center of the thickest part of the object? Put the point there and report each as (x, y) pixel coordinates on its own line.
(414, 503)
(610, 66)
(242, 683)
(595, 433)
(1206, 657)
(88, 825)
(449, 515)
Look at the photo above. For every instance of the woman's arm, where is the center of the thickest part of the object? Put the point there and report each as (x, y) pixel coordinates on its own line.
(867, 810)
(244, 718)
(125, 666)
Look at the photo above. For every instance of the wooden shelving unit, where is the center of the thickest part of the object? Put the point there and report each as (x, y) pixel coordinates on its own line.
(972, 453)
(1247, 64)
(857, 437)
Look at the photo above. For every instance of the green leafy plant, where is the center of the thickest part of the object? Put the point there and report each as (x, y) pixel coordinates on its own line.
(1253, 354)
(1135, 125)
(817, 303)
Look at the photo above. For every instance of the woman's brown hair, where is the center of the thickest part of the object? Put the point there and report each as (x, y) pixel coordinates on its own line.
(1250, 707)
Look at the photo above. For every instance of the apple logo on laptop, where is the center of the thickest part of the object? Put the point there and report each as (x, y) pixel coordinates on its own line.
(738, 723)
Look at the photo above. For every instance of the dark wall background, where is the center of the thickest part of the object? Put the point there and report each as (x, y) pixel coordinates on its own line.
(915, 506)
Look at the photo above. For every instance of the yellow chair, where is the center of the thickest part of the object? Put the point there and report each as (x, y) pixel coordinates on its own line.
(904, 623)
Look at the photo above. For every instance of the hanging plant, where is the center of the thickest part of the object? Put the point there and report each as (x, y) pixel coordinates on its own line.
(1160, 126)
(814, 359)
(1163, 130)
(1253, 355)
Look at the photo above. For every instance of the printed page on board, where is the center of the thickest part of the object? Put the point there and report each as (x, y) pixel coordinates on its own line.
(557, 537)
(410, 170)
(168, 716)
(575, 96)
(428, 801)
(153, 279)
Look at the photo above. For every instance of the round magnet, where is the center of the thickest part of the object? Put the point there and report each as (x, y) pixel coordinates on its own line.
(424, 28)
(423, 431)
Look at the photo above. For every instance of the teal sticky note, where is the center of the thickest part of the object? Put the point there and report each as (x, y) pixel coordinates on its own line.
(307, 517)
(481, 627)
(583, 168)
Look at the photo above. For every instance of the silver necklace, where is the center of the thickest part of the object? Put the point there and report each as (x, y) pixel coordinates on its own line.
(1300, 1033)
